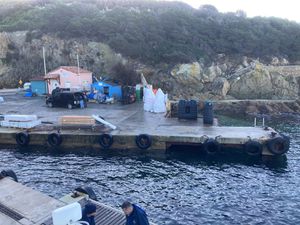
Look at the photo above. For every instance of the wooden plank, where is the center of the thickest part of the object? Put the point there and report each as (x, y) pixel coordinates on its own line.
(75, 120)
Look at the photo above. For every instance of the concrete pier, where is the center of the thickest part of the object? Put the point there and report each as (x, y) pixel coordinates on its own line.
(131, 121)
(164, 132)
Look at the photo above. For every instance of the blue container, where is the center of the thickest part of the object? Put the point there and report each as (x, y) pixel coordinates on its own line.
(28, 94)
(38, 86)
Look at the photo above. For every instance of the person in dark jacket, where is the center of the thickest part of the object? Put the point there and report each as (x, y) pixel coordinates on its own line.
(88, 213)
(134, 214)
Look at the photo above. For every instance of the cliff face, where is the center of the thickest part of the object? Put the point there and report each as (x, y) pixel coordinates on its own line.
(252, 80)
(21, 57)
(269, 82)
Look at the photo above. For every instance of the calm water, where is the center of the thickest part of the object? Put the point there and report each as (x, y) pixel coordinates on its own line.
(177, 189)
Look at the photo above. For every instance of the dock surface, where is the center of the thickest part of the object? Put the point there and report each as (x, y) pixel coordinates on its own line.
(131, 120)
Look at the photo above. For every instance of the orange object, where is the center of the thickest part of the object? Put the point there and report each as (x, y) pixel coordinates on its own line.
(77, 120)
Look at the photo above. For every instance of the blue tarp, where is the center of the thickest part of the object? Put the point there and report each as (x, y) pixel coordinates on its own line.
(113, 90)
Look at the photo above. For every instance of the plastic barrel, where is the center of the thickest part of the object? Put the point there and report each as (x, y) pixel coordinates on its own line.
(208, 113)
(181, 109)
(193, 109)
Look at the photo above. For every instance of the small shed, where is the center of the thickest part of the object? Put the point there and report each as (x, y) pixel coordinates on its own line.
(110, 89)
(38, 86)
(72, 77)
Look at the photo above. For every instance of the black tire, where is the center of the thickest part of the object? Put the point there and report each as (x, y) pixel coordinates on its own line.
(49, 104)
(54, 139)
(143, 141)
(106, 141)
(278, 145)
(212, 147)
(9, 173)
(89, 191)
(69, 106)
(253, 148)
(22, 139)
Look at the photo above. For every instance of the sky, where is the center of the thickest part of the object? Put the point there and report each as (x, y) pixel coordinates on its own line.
(287, 9)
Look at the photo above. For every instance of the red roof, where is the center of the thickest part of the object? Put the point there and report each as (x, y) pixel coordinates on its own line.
(52, 76)
(73, 69)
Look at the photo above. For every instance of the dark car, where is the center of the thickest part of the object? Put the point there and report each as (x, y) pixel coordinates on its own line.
(66, 99)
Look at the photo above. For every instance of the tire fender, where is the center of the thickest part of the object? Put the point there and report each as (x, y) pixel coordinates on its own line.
(23, 139)
(143, 141)
(54, 139)
(212, 146)
(278, 145)
(106, 141)
(89, 191)
(253, 148)
(9, 173)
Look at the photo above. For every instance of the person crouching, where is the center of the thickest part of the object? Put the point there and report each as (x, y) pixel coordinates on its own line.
(89, 213)
(134, 214)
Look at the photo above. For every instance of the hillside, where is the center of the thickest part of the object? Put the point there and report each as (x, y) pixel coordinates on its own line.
(155, 32)
(189, 53)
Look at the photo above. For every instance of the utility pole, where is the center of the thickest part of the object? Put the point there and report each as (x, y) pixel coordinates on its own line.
(77, 65)
(79, 78)
(44, 61)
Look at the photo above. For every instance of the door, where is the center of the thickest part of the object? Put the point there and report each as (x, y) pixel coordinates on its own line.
(68, 84)
(53, 84)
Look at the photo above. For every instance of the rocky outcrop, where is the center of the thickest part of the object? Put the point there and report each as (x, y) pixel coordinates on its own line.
(220, 86)
(187, 73)
(248, 80)
(255, 84)
(266, 82)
